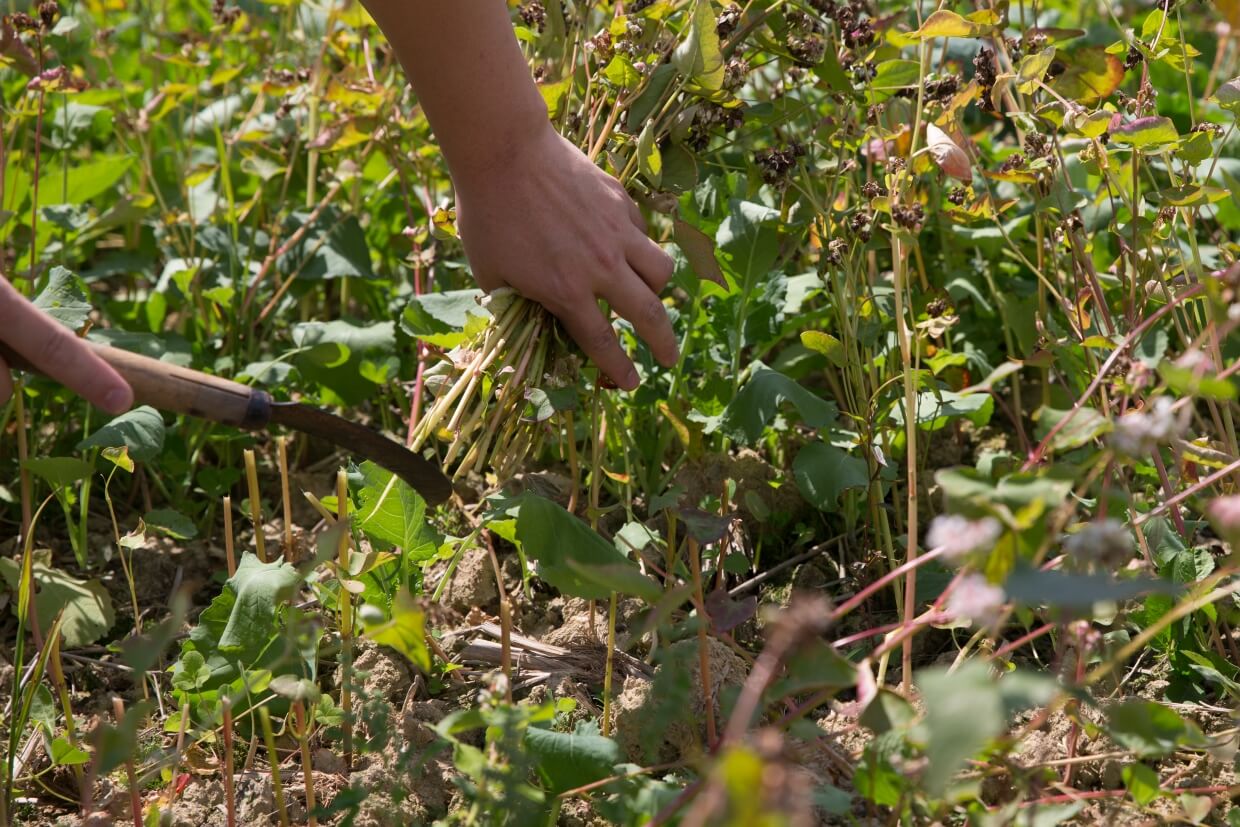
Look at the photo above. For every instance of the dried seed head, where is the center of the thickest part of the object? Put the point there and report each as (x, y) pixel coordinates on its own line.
(728, 20)
(49, 13)
(22, 22)
(533, 15)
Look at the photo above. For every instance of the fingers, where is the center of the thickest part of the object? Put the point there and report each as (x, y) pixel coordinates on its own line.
(591, 330)
(632, 298)
(55, 351)
(650, 262)
(635, 214)
(6, 382)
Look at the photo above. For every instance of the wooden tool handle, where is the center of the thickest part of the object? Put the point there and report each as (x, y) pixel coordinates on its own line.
(179, 390)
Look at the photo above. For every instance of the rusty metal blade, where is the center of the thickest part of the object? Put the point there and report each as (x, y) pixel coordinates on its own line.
(423, 476)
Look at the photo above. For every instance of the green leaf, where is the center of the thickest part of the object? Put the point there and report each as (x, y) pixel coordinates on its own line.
(1085, 426)
(140, 430)
(1146, 132)
(258, 588)
(84, 181)
(826, 344)
(895, 74)
(363, 355)
(823, 472)
(699, 250)
(1150, 729)
(64, 298)
(88, 612)
(116, 744)
(1077, 592)
(1141, 782)
(442, 319)
(621, 72)
(59, 471)
(332, 246)
(814, 667)
(575, 559)
(405, 631)
(65, 754)
(760, 400)
(392, 512)
(965, 709)
(649, 159)
(193, 674)
(171, 523)
(699, 57)
(1228, 96)
(570, 760)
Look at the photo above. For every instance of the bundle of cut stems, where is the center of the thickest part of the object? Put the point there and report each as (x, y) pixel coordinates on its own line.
(481, 411)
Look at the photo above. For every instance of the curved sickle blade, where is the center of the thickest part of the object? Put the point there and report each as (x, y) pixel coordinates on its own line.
(423, 476)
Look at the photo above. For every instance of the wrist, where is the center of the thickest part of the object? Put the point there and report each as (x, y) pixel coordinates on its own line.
(504, 144)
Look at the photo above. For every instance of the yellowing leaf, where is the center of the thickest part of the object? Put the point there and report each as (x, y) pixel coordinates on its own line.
(944, 23)
(1143, 132)
(1090, 74)
(826, 344)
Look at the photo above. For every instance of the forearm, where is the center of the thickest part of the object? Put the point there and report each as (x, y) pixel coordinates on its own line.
(470, 77)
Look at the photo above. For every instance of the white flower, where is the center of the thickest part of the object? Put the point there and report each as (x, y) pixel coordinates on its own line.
(959, 536)
(1139, 434)
(977, 599)
(1106, 542)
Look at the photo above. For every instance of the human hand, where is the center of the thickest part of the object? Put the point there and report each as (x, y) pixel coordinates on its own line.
(557, 229)
(55, 351)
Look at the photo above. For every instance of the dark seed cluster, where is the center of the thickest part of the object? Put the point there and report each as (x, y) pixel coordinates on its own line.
(861, 223)
(728, 20)
(1012, 163)
(957, 195)
(1133, 58)
(909, 216)
(942, 89)
(777, 162)
(534, 15)
(710, 119)
(223, 13)
(984, 68)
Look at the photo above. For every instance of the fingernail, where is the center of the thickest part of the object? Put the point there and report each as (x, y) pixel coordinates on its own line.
(117, 400)
(631, 379)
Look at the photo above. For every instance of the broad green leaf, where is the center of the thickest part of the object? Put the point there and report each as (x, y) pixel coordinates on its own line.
(1077, 592)
(575, 559)
(748, 241)
(443, 319)
(59, 471)
(171, 523)
(762, 398)
(649, 159)
(85, 180)
(895, 74)
(699, 250)
(1146, 132)
(140, 430)
(259, 588)
(1150, 729)
(392, 512)
(116, 744)
(64, 298)
(965, 709)
(622, 73)
(554, 95)
(404, 631)
(1033, 68)
(698, 57)
(193, 674)
(88, 612)
(1085, 426)
(1228, 96)
(65, 754)
(813, 667)
(823, 472)
(1141, 782)
(332, 246)
(570, 760)
(367, 358)
(826, 344)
